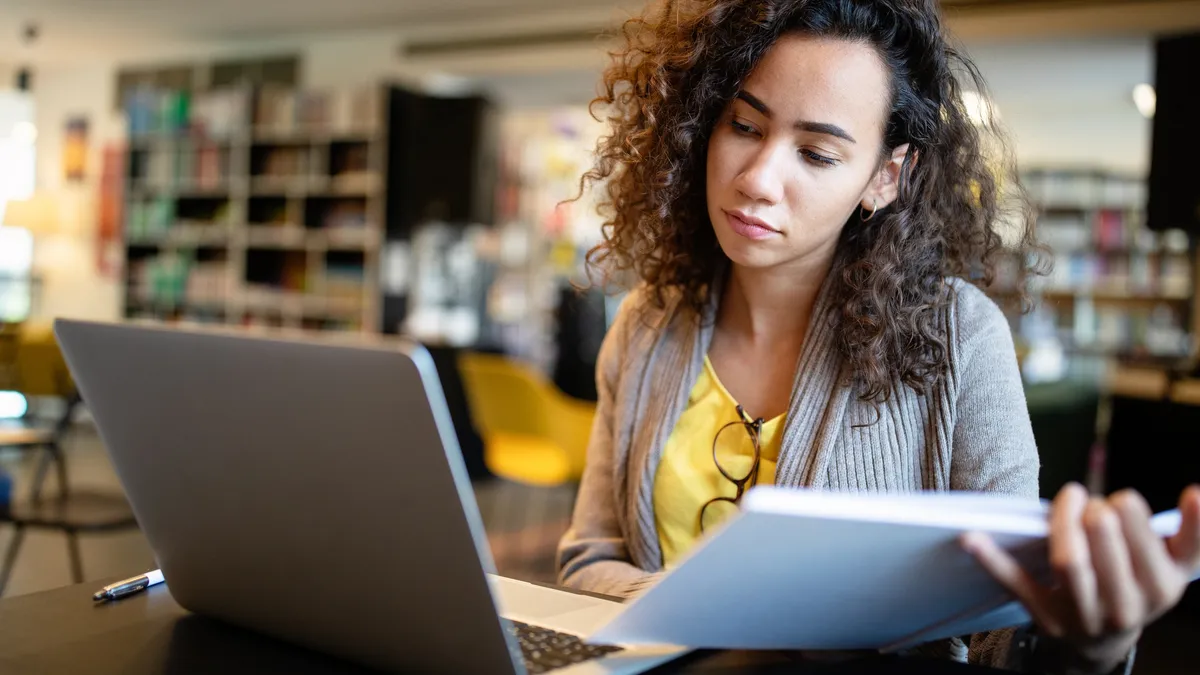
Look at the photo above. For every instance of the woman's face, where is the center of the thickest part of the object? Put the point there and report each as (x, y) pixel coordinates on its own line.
(798, 150)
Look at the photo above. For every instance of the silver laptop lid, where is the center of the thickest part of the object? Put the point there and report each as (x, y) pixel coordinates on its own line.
(311, 491)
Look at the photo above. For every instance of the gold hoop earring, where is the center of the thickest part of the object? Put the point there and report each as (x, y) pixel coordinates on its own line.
(874, 209)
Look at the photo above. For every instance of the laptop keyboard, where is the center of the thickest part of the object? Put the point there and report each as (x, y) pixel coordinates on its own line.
(545, 650)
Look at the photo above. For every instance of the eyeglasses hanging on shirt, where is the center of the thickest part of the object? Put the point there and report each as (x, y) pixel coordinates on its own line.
(722, 507)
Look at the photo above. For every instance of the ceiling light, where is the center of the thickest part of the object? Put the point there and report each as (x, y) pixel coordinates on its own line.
(1146, 100)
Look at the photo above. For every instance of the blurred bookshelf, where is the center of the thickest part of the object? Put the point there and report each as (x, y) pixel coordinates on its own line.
(1119, 293)
(256, 206)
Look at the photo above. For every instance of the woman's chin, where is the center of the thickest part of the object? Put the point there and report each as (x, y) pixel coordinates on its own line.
(750, 254)
(774, 252)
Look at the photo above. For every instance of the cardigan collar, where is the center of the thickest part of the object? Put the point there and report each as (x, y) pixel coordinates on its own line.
(672, 365)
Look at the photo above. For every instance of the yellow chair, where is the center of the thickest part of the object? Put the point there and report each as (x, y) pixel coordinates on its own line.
(10, 333)
(532, 432)
(40, 367)
(40, 370)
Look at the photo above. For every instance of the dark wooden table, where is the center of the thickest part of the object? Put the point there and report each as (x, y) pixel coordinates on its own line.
(61, 631)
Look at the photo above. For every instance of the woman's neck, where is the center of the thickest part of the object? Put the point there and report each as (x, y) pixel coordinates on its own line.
(769, 306)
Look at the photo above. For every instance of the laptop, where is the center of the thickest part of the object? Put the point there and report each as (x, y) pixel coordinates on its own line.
(315, 492)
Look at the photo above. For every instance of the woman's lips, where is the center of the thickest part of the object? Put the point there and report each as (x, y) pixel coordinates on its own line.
(748, 227)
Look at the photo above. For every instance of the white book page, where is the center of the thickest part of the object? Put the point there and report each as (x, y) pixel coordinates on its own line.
(801, 569)
(957, 510)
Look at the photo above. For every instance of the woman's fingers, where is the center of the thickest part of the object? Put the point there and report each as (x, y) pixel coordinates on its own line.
(1185, 546)
(1070, 557)
(1114, 573)
(1122, 605)
(1009, 573)
(1157, 572)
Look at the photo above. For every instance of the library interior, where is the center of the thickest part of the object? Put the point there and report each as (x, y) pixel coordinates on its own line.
(408, 172)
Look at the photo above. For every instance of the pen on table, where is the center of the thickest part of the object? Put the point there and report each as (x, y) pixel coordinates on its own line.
(128, 586)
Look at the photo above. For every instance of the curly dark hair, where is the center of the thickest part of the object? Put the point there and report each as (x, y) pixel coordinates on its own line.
(681, 63)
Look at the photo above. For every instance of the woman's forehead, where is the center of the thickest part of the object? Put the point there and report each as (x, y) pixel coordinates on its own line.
(803, 78)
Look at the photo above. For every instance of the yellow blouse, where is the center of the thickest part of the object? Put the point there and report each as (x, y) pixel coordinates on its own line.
(687, 477)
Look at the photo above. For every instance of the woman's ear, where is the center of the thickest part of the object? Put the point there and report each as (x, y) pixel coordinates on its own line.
(884, 189)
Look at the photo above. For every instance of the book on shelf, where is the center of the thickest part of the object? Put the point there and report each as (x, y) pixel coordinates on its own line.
(1105, 329)
(1107, 278)
(275, 109)
(176, 278)
(313, 110)
(211, 166)
(253, 201)
(186, 166)
(155, 113)
(280, 112)
(221, 114)
(148, 219)
(286, 161)
(1084, 190)
(343, 214)
(356, 110)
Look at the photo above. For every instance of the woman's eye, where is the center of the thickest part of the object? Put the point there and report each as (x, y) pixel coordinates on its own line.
(817, 158)
(741, 128)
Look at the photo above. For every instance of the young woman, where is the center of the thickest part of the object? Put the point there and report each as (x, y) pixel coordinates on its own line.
(809, 210)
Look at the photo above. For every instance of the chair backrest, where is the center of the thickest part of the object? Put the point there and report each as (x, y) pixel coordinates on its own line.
(1063, 415)
(9, 334)
(509, 397)
(40, 367)
(505, 396)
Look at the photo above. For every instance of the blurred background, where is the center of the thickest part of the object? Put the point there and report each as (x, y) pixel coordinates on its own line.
(398, 167)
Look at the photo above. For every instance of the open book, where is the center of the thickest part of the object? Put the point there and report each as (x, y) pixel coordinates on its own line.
(806, 569)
